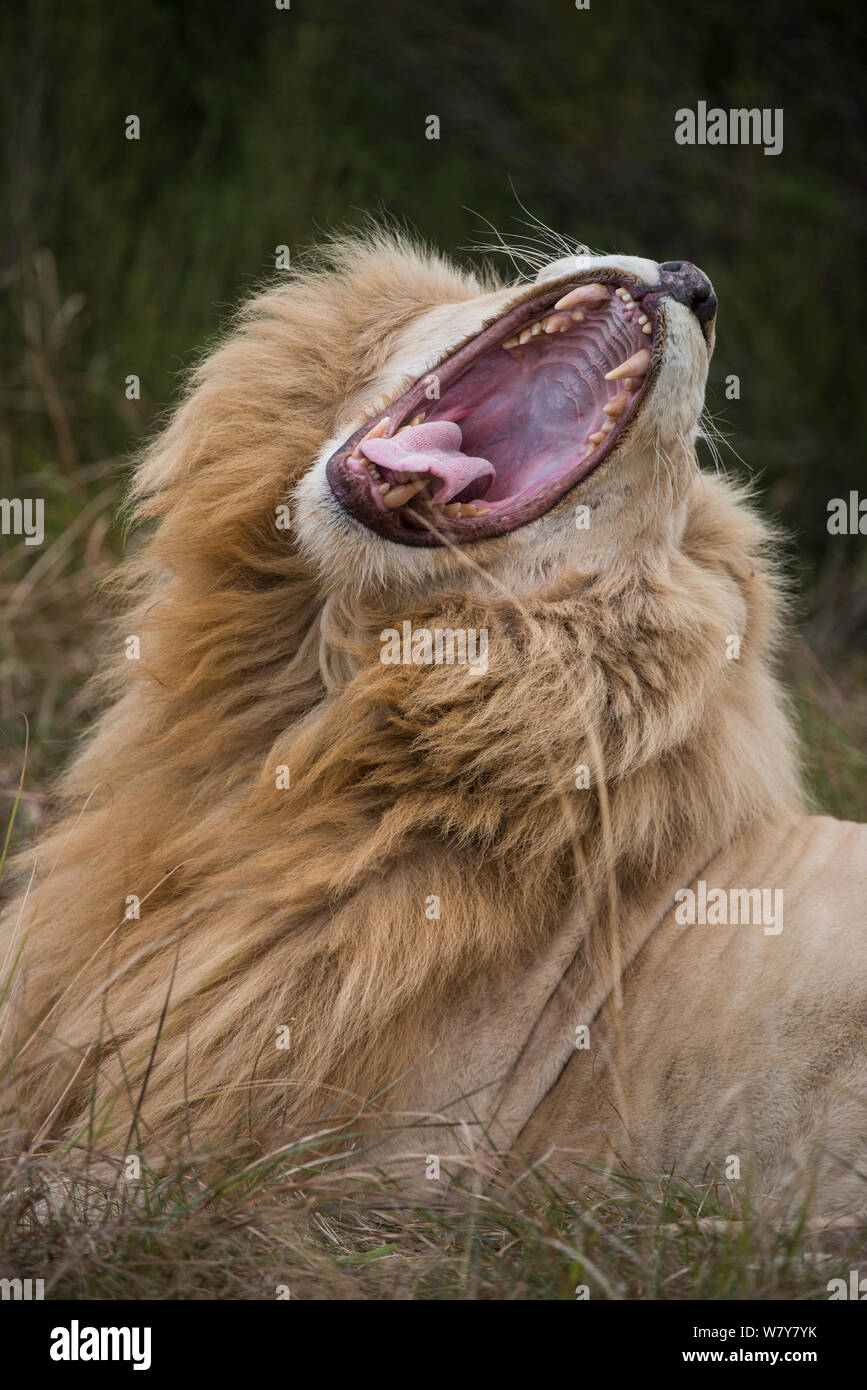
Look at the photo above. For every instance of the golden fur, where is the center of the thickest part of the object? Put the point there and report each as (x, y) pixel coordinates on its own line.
(263, 907)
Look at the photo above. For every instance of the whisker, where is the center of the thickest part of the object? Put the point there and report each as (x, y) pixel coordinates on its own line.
(501, 245)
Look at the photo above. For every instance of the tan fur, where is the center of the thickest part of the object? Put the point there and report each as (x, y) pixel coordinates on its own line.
(259, 649)
(733, 1043)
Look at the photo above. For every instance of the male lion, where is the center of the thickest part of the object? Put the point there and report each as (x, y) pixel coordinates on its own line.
(452, 702)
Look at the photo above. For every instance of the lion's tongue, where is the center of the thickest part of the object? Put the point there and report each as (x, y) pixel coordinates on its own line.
(434, 449)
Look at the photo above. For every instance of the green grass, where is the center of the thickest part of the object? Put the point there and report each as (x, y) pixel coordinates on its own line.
(358, 1235)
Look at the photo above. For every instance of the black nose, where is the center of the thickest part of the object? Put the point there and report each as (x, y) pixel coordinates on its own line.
(685, 282)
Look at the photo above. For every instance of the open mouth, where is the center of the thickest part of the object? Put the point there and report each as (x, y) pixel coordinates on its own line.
(520, 414)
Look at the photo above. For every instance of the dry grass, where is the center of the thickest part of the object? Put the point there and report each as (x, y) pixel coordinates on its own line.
(356, 1234)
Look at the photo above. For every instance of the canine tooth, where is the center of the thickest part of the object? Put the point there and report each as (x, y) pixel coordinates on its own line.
(524, 336)
(378, 429)
(591, 295)
(398, 495)
(596, 438)
(616, 405)
(642, 318)
(633, 366)
(647, 328)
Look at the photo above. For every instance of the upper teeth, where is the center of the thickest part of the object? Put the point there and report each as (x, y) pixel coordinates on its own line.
(557, 323)
(617, 405)
(633, 366)
(590, 295)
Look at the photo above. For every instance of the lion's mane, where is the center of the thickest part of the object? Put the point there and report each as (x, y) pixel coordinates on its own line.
(263, 906)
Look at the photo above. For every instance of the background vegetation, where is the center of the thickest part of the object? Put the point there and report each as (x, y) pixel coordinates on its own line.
(262, 127)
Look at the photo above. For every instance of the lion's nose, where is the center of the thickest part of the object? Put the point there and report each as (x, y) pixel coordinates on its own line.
(685, 282)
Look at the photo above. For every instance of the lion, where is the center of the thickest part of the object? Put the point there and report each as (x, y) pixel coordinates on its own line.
(446, 799)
